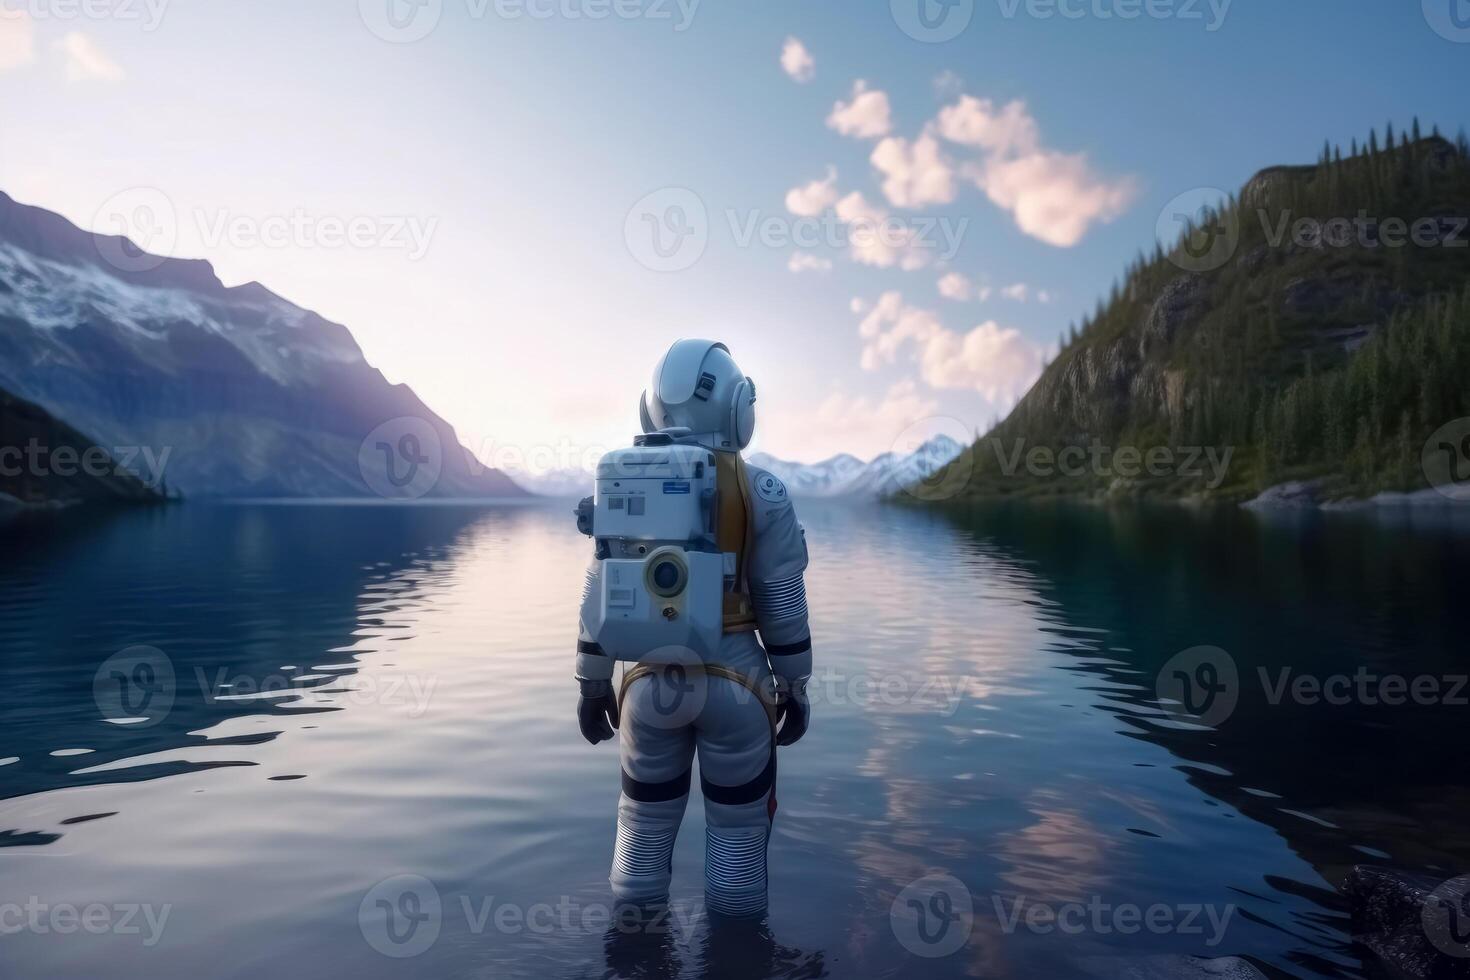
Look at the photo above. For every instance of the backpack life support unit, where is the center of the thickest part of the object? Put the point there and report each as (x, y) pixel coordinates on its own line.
(671, 522)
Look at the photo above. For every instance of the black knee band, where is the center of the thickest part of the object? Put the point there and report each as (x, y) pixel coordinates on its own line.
(641, 792)
(746, 793)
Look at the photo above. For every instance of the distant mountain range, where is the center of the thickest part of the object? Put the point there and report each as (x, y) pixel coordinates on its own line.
(847, 476)
(249, 394)
(841, 476)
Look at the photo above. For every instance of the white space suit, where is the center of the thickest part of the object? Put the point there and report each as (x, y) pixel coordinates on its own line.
(731, 712)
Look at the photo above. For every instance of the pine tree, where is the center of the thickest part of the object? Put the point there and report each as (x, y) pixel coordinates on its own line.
(1405, 476)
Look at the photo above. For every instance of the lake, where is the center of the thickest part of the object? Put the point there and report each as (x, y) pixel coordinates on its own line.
(339, 740)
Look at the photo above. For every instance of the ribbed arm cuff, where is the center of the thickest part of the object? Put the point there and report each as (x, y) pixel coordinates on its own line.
(592, 663)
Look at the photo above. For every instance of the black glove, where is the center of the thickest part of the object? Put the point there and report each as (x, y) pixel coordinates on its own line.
(793, 712)
(597, 711)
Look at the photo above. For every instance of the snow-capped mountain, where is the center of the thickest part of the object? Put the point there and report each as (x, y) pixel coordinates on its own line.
(843, 475)
(251, 394)
(829, 478)
(847, 476)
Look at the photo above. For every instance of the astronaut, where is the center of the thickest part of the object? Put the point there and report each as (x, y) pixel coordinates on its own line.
(733, 709)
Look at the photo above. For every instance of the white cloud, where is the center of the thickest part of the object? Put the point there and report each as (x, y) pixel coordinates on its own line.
(858, 305)
(1052, 196)
(890, 325)
(915, 173)
(867, 116)
(797, 61)
(977, 122)
(807, 262)
(955, 286)
(947, 84)
(961, 289)
(864, 419)
(870, 425)
(1021, 293)
(812, 199)
(874, 239)
(17, 39)
(996, 361)
(85, 62)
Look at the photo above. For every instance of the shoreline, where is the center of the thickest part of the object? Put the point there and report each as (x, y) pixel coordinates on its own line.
(1307, 495)
(1290, 496)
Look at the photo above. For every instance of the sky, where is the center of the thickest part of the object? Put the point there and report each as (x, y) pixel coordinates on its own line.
(889, 210)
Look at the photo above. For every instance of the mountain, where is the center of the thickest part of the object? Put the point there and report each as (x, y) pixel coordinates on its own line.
(571, 483)
(250, 394)
(1314, 328)
(848, 476)
(828, 478)
(841, 476)
(45, 461)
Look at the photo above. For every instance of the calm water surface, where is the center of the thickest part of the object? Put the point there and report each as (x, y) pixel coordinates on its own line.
(337, 696)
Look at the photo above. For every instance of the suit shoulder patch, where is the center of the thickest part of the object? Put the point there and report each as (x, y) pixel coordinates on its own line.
(770, 489)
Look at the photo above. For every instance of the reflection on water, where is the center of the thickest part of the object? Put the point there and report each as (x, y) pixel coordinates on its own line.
(314, 739)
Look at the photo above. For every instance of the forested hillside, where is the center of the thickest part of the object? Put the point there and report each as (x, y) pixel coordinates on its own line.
(1315, 326)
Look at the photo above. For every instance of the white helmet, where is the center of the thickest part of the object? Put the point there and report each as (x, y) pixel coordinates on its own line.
(697, 386)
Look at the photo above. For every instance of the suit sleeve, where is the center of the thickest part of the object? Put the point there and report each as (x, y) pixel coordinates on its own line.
(777, 578)
(592, 663)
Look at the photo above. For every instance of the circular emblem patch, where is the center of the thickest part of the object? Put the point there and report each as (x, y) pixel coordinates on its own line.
(770, 489)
